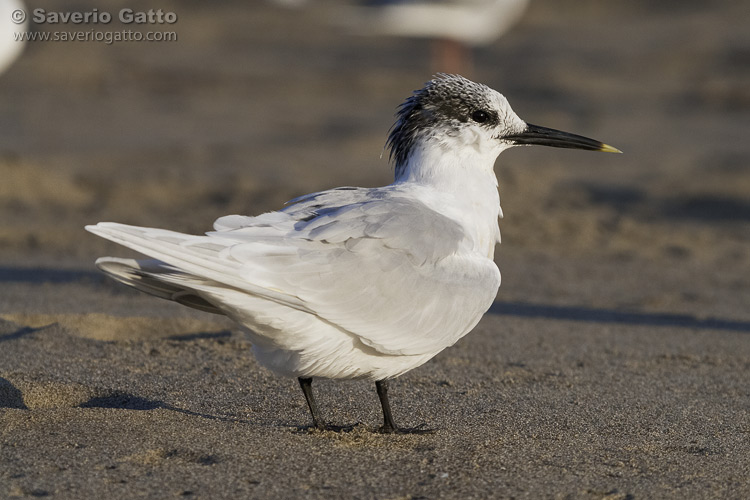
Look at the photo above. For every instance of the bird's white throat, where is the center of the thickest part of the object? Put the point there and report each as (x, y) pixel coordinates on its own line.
(460, 183)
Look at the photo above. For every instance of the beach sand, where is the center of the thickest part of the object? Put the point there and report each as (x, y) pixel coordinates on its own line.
(614, 364)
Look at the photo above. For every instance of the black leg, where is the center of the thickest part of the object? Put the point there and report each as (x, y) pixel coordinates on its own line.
(388, 425)
(306, 384)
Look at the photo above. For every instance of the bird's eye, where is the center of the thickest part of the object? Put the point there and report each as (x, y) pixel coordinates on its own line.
(480, 116)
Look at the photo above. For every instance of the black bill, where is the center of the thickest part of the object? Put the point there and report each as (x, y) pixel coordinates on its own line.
(543, 136)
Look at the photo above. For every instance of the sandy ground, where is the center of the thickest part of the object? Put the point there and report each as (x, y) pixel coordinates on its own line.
(615, 363)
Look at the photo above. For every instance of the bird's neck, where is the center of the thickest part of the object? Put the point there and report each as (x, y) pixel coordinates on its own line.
(462, 186)
(436, 164)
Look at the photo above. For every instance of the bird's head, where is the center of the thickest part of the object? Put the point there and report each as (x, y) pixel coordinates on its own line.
(457, 114)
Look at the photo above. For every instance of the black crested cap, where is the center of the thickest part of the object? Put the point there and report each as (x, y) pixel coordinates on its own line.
(446, 99)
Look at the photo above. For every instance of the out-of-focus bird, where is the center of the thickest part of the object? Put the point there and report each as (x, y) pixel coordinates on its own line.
(455, 26)
(13, 23)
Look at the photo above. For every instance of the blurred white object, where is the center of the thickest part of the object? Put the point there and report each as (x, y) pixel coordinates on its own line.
(455, 25)
(471, 22)
(13, 20)
(289, 4)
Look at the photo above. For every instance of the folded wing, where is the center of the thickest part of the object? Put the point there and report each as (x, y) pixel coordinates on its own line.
(382, 267)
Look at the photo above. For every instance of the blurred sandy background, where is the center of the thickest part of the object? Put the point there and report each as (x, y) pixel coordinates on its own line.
(615, 363)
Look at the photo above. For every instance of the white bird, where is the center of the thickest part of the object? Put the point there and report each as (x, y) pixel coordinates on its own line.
(472, 22)
(358, 283)
(455, 26)
(13, 24)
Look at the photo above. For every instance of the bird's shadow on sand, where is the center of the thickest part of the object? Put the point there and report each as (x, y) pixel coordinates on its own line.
(21, 332)
(11, 397)
(127, 401)
(592, 315)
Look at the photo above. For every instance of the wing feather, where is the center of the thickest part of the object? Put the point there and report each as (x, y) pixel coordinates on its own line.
(381, 266)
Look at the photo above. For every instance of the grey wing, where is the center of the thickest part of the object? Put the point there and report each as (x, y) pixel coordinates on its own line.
(383, 267)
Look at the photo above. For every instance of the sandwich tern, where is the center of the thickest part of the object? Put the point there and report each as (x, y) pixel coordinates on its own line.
(358, 283)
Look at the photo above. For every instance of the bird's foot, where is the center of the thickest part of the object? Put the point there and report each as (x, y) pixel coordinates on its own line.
(420, 429)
